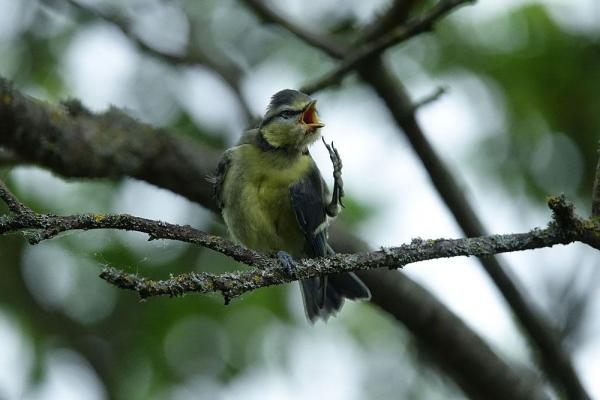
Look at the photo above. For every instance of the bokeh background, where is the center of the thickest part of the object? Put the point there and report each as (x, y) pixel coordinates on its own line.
(520, 121)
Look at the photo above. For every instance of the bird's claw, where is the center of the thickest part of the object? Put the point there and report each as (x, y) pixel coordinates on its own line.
(287, 262)
(338, 183)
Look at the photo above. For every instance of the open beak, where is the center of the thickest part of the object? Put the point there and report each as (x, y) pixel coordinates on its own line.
(310, 118)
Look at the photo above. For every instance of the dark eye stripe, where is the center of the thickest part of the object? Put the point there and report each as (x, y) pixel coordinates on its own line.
(289, 113)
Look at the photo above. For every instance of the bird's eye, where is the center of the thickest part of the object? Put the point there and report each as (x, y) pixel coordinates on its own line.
(286, 114)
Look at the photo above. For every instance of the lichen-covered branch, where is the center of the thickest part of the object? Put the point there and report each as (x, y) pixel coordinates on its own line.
(75, 142)
(566, 227)
(269, 272)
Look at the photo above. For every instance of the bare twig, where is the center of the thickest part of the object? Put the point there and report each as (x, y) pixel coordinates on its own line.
(364, 53)
(387, 20)
(14, 205)
(270, 272)
(439, 92)
(266, 14)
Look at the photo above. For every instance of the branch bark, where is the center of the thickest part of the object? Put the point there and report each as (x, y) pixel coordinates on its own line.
(461, 353)
(565, 227)
(366, 52)
(77, 143)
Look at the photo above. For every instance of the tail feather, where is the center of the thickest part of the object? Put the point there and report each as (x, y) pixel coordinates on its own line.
(324, 297)
(350, 286)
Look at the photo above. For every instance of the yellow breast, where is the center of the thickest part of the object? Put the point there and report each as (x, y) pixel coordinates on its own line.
(258, 208)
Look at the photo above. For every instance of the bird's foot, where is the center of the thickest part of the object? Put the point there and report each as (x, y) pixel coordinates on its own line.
(287, 262)
(338, 184)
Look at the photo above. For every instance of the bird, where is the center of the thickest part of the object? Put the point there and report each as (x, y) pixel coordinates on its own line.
(273, 198)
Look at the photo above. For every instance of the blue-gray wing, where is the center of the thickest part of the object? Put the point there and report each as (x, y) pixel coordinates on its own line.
(308, 202)
(218, 179)
(323, 296)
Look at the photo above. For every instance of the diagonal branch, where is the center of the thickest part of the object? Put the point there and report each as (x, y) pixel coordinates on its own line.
(75, 142)
(266, 14)
(373, 48)
(399, 10)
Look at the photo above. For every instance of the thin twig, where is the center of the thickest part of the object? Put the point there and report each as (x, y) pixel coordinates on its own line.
(387, 20)
(367, 51)
(439, 92)
(14, 205)
(267, 14)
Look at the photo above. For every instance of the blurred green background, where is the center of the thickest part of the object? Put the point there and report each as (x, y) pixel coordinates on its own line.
(521, 121)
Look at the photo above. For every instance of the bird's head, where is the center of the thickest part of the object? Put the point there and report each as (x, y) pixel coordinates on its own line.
(291, 121)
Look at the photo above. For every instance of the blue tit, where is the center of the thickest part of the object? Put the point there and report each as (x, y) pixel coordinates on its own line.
(274, 199)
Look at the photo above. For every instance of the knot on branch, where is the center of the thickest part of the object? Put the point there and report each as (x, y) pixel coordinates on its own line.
(75, 108)
(564, 218)
(562, 209)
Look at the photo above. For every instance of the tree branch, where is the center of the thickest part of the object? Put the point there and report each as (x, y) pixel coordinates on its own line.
(399, 10)
(430, 98)
(566, 227)
(75, 142)
(366, 52)
(266, 14)
(456, 349)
